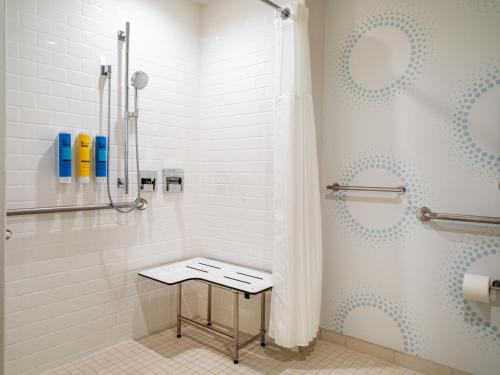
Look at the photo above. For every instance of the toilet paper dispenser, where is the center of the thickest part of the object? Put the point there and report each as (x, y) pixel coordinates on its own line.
(479, 288)
(495, 285)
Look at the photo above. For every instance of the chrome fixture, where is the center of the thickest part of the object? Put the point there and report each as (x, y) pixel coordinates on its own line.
(8, 234)
(139, 203)
(425, 214)
(173, 180)
(139, 81)
(495, 285)
(63, 209)
(149, 181)
(337, 187)
(284, 12)
(124, 36)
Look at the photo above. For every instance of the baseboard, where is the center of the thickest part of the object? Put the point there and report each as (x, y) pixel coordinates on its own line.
(401, 359)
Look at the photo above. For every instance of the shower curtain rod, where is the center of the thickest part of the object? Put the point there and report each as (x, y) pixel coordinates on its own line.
(285, 12)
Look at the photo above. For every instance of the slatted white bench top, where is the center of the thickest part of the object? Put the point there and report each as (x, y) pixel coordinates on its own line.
(246, 280)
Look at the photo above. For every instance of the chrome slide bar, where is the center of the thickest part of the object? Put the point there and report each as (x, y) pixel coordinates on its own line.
(60, 209)
(425, 214)
(338, 187)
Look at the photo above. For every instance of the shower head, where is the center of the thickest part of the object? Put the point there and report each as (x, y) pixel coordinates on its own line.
(139, 80)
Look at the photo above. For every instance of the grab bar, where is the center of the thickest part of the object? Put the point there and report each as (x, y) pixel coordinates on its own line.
(425, 214)
(8, 234)
(337, 187)
(59, 209)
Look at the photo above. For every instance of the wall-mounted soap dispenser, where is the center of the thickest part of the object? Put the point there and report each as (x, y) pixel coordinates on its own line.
(83, 149)
(64, 158)
(101, 158)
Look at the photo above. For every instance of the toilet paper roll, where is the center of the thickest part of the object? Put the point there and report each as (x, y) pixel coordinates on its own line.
(476, 288)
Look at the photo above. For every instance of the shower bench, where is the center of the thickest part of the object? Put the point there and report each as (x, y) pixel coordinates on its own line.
(239, 280)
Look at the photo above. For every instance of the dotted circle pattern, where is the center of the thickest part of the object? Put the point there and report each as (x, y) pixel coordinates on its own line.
(411, 342)
(412, 196)
(482, 329)
(461, 122)
(418, 43)
(486, 5)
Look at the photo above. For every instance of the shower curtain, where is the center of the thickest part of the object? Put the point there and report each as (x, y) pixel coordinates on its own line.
(297, 247)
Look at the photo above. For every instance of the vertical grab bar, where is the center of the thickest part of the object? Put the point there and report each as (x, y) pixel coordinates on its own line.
(8, 234)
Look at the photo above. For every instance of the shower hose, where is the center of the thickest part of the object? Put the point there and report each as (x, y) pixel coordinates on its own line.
(139, 202)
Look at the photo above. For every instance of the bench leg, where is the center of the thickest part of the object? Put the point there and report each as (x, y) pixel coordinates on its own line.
(236, 328)
(263, 319)
(209, 306)
(179, 304)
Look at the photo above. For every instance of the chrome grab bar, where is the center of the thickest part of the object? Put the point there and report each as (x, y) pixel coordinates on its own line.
(60, 209)
(8, 234)
(337, 187)
(425, 214)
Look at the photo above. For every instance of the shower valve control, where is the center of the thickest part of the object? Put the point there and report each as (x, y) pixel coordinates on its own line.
(148, 181)
(173, 180)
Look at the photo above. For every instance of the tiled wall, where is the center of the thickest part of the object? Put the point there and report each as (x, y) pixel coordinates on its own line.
(412, 91)
(235, 191)
(2, 175)
(71, 283)
(237, 64)
(71, 279)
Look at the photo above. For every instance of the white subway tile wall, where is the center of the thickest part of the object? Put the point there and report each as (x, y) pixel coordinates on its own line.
(234, 221)
(237, 80)
(71, 278)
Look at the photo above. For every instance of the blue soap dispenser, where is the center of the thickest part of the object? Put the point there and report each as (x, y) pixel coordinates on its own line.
(64, 158)
(101, 158)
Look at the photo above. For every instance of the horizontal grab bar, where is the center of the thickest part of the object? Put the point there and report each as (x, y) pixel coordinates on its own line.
(338, 187)
(425, 214)
(60, 209)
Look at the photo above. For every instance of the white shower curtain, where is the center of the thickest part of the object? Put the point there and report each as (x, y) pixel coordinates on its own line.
(297, 256)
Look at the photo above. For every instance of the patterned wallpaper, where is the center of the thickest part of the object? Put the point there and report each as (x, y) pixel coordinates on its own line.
(412, 97)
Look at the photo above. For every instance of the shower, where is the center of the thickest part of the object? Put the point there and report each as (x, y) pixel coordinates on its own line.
(139, 81)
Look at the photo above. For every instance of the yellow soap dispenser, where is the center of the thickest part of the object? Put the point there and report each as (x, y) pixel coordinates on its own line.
(83, 158)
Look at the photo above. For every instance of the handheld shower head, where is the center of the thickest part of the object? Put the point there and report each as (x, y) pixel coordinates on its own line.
(139, 80)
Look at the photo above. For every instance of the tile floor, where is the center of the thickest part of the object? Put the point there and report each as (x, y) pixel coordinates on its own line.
(198, 353)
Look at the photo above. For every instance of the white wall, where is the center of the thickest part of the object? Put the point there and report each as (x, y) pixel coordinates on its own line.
(71, 279)
(235, 189)
(394, 118)
(2, 180)
(236, 84)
